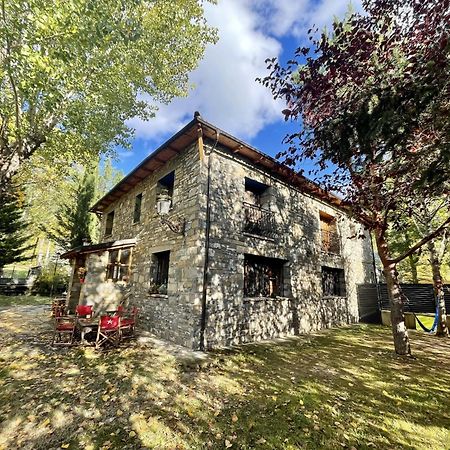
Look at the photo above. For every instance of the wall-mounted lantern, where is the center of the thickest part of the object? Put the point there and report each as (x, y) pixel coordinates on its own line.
(163, 205)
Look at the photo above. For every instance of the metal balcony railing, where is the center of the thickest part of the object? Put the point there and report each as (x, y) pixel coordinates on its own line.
(259, 221)
(330, 242)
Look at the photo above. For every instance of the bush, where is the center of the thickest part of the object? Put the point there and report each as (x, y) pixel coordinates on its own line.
(51, 282)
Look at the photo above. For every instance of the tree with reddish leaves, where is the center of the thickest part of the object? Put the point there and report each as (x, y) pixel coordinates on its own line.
(372, 99)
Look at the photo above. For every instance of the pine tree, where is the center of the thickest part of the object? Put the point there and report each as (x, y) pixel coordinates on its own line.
(13, 236)
(75, 222)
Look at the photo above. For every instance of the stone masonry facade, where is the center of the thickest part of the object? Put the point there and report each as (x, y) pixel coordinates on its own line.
(231, 317)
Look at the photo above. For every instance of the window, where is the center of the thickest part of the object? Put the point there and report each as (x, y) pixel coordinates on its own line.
(263, 277)
(119, 264)
(160, 272)
(256, 193)
(164, 187)
(333, 282)
(329, 234)
(258, 220)
(109, 223)
(137, 208)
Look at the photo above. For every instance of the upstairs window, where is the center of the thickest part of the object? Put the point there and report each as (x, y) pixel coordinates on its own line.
(263, 277)
(109, 223)
(333, 282)
(329, 234)
(119, 265)
(164, 187)
(258, 219)
(160, 272)
(256, 193)
(137, 208)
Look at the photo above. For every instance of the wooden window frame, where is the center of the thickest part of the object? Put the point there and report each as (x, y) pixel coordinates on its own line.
(113, 268)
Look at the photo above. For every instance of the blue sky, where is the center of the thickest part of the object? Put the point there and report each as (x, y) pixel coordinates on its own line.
(224, 89)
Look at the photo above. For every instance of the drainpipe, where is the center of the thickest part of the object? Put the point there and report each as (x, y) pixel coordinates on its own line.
(207, 240)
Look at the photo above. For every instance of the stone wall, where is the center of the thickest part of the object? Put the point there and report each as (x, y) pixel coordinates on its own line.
(233, 319)
(173, 316)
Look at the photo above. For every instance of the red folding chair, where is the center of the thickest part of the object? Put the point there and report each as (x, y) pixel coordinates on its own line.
(84, 311)
(128, 322)
(64, 327)
(108, 331)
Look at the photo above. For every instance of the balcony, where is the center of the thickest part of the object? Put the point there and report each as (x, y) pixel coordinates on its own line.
(259, 221)
(330, 242)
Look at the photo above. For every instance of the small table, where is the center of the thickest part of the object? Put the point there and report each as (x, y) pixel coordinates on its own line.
(87, 326)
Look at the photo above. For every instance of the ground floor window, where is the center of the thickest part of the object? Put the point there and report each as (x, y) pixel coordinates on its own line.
(160, 272)
(333, 282)
(263, 277)
(119, 264)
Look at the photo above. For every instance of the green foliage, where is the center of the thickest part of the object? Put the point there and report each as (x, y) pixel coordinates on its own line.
(51, 281)
(74, 221)
(73, 72)
(13, 230)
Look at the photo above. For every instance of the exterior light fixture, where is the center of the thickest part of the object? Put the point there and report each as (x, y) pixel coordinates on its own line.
(163, 208)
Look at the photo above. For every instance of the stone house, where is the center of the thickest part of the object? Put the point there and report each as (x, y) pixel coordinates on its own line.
(220, 244)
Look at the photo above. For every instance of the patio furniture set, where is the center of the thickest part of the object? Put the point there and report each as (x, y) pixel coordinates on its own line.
(109, 328)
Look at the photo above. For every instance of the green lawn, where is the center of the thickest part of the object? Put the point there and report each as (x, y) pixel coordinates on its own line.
(337, 389)
(20, 300)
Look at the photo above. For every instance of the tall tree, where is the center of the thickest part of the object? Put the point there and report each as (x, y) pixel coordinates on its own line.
(373, 101)
(431, 213)
(74, 221)
(73, 72)
(13, 230)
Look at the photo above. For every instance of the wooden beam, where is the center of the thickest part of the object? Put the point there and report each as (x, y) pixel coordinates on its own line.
(201, 149)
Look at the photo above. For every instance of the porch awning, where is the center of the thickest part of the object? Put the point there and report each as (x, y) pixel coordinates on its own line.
(98, 248)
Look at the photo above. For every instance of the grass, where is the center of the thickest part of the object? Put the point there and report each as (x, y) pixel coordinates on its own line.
(338, 389)
(21, 300)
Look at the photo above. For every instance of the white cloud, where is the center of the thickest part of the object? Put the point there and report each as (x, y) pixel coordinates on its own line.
(226, 92)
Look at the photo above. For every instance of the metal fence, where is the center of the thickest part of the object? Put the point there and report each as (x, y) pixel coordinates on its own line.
(259, 221)
(373, 298)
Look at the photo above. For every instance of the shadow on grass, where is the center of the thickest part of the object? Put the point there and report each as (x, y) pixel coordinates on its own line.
(341, 388)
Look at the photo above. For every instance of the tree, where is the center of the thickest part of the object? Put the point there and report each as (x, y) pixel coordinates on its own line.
(372, 99)
(430, 213)
(60, 196)
(74, 221)
(13, 228)
(74, 72)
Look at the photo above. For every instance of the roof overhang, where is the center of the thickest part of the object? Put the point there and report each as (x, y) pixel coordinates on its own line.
(98, 248)
(186, 136)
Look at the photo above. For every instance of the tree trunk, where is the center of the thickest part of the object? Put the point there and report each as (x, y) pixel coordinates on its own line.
(438, 288)
(399, 331)
(413, 266)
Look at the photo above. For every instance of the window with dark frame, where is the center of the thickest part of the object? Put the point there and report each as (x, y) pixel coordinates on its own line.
(137, 208)
(165, 185)
(258, 219)
(109, 223)
(263, 277)
(333, 282)
(160, 272)
(119, 264)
